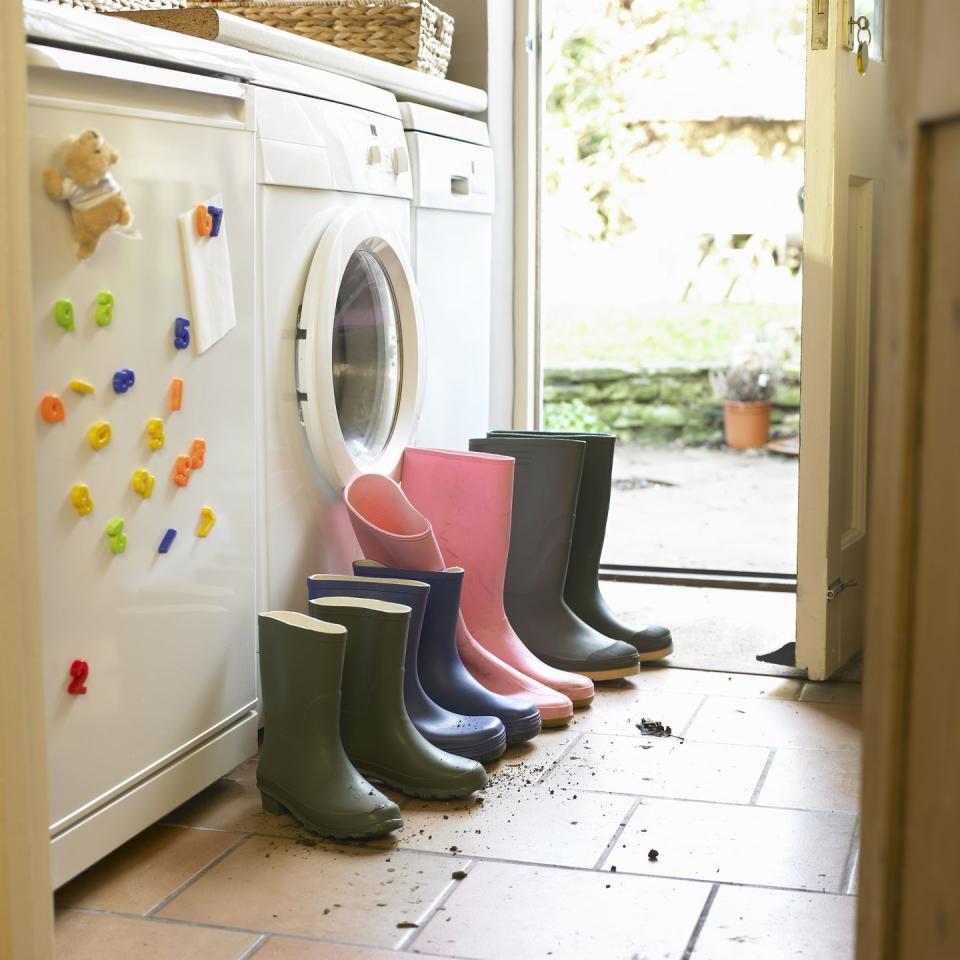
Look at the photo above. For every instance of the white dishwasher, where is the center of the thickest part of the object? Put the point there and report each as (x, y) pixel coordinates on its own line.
(146, 473)
(453, 200)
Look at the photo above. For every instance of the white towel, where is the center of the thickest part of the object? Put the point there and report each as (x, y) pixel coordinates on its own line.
(207, 261)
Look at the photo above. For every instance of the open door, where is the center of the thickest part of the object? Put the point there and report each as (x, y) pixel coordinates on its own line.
(844, 155)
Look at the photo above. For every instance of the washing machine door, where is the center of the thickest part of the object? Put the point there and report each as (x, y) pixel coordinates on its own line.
(359, 356)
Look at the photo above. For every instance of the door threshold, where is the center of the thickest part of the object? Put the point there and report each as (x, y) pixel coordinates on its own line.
(709, 579)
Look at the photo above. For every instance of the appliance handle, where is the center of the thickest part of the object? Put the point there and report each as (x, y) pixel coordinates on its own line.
(74, 61)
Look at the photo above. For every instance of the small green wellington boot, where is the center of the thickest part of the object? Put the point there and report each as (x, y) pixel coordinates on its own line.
(303, 768)
(378, 735)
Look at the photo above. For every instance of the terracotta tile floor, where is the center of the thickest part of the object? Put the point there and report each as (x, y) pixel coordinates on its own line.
(753, 814)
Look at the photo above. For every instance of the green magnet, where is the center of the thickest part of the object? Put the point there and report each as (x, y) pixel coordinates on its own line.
(116, 536)
(103, 313)
(63, 314)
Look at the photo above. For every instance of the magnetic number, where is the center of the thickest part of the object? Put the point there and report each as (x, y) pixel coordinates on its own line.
(79, 671)
(207, 519)
(123, 380)
(51, 409)
(203, 221)
(181, 470)
(216, 218)
(198, 451)
(103, 311)
(155, 437)
(81, 499)
(142, 483)
(181, 333)
(115, 536)
(98, 436)
(63, 315)
(176, 393)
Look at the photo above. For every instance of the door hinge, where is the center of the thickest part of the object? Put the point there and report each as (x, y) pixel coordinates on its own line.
(838, 586)
(819, 24)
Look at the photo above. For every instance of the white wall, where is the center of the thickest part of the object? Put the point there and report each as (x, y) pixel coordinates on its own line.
(483, 57)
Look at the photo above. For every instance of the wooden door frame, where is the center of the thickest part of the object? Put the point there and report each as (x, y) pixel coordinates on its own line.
(26, 918)
(924, 87)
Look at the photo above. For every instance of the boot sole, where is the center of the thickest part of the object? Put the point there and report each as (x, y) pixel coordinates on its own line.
(656, 654)
(617, 674)
(278, 808)
(418, 793)
(555, 722)
(578, 704)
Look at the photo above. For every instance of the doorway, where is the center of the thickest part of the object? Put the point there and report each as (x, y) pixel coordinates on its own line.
(670, 249)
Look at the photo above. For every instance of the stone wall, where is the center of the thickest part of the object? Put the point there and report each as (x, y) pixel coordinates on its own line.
(656, 403)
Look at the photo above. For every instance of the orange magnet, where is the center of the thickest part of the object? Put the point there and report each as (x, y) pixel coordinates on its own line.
(203, 220)
(198, 451)
(81, 499)
(207, 519)
(99, 434)
(51, 409)
(181, 470)
(176, 393)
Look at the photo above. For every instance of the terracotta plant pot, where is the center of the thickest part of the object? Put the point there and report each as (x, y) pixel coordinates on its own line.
(746, 425)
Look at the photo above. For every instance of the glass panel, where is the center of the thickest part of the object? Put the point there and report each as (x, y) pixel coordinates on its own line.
(873, 11)
(366, 355)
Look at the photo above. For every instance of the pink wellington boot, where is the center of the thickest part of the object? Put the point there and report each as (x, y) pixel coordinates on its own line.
(468, 499)
(391, 531)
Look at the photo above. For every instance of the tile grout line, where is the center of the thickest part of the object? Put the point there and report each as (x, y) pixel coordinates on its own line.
(411, 936)
(693, 716)
(850, 866)
(755, 796)
(200, 873)
(618, 833)
(246, 955)
(701, 920)
(724, 743)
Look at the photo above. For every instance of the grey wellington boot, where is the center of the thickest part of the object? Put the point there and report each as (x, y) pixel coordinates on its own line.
(303, 768)
(546, 480)
(378, 734)
(582, 587)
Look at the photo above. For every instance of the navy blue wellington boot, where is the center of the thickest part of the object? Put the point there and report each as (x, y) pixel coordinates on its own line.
(442, 673)
(481, 738)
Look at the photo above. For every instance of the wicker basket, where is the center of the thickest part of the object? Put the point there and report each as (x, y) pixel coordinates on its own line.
(412, 33)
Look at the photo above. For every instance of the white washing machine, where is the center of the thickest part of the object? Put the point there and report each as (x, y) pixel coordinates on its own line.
(452, 244)
(340, 371)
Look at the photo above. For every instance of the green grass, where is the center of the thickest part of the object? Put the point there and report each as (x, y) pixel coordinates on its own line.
(665, 333)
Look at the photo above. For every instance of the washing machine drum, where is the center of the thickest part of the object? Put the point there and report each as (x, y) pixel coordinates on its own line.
(359, 366)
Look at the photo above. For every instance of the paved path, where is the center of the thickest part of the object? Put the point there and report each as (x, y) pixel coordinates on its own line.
(695, 507)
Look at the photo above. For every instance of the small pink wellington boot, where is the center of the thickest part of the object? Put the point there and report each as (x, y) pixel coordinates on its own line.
(468, 499)
(391, 531)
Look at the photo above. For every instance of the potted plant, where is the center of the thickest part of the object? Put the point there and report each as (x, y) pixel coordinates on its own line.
(746, 388)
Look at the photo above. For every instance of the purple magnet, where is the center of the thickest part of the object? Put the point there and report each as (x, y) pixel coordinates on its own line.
(216, 215)
(123, 380)
(167, 540)
(181, 333)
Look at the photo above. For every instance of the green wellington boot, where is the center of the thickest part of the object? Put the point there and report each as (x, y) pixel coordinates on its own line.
(303, 769)
(378, 735)
(582, 585)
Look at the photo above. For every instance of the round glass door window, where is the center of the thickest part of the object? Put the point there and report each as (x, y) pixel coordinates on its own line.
(367, 355)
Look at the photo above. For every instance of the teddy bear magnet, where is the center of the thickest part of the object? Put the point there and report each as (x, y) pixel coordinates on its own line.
(97, 203)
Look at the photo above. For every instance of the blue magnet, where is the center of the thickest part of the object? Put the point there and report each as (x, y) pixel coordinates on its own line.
(123, 380)
(167, 540)
(181, 333)
(216, 215)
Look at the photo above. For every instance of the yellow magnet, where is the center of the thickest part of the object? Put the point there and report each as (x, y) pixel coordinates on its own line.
(155, 437)
(81, 386)
(207, 519)
(99, 434)
(142, 482)
(81, 499)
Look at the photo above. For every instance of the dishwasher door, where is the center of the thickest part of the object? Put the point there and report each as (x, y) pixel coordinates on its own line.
(162, 643)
